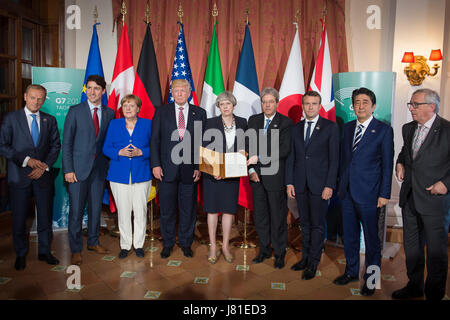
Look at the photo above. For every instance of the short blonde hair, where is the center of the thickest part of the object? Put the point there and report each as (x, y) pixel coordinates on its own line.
(181, 83)
(226, 96)
(129, 97)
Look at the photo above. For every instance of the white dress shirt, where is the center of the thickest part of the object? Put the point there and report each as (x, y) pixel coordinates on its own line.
(365, 124)
(28, 114)
(99, 112)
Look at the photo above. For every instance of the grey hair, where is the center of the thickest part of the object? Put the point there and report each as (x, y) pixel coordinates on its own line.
(431, 97)
(273, 92)
(226, 96)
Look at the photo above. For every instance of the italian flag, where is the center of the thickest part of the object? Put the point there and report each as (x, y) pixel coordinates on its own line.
(213, 84)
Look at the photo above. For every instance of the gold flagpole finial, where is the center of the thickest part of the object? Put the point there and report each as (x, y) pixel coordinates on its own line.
(324, 12)
(215, 12)
(180, 12)
(124, 12)
(95, 15)
(297, 16)
(147, 13)
(246, 13)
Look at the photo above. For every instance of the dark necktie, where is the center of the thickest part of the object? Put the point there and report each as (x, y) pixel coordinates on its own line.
(357, 137)
(308, 132)
(96, 122)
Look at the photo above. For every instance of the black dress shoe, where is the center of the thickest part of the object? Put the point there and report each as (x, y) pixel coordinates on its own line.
(408, 292)
(344, 279)
(187, 251)
(261, 257)
(165, 253)
(279, 262)
(123, 253)
(140, 252)
(49, 258)
(365, 291)
(20, 263)
(308, 274)
(301, 265)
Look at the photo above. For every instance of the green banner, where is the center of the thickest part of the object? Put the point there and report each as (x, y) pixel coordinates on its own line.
(382, 84)
(64, 88)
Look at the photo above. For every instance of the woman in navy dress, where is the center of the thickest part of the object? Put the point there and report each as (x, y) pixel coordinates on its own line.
(224, 133)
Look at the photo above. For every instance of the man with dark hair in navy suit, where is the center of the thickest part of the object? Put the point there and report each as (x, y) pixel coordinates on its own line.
(29, 139)
(311, 173)
(85, 166)
(365, 173)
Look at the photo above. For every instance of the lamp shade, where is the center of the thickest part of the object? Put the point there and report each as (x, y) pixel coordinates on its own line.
(436, 55)
(408, 57)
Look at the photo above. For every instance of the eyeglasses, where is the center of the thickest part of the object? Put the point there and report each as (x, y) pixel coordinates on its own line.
(415, 105)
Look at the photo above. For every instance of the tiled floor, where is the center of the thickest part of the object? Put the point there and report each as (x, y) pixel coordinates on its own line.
(153, 278)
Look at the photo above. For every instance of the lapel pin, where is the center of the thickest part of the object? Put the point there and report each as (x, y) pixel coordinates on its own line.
(317, 128)
(275, 126)
(45, 119)
(373, 131)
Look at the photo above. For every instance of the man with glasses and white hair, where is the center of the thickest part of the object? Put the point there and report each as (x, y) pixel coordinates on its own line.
(424, 167)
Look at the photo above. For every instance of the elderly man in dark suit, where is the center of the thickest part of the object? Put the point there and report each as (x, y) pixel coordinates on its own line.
(175, 141)
(365, 178)
(85, 166)
(267, 176)
(311, 173)
(424, 167)
(29, 139)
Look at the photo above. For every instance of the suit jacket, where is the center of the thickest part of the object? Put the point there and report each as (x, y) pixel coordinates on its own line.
(367, 172)
(316, 165)
(118, 138)
(432, 164)
(81, 148)
(16, 144)
(216, 123)
(275, 181)
(164, 125)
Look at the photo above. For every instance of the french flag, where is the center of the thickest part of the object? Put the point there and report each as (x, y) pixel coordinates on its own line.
(321, 80)
(246, 91)
(293, 85)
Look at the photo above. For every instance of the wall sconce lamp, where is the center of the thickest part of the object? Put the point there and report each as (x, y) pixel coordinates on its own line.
(418, 68)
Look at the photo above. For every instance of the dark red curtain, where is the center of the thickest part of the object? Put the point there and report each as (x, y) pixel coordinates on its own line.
(271, 27)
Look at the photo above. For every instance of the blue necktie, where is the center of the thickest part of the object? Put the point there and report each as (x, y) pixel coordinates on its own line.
(308, 132)
(34, 130)
(267, 125)
(357, 137)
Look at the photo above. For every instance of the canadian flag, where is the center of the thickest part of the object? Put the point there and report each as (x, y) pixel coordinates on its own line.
(123, 76)
(321, 80)
(293, 84)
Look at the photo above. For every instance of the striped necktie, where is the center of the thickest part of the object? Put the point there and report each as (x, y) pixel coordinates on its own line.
(358, 137)
(181, 124)
(419, 138)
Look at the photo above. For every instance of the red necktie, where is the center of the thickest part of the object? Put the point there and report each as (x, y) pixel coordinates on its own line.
(96, 123)
(181, 125)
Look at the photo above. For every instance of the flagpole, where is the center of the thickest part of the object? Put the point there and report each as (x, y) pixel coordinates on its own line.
(124, 12)
(215, 13)
(180, 13)
(95, 15)
(147, 14)
(324, 13)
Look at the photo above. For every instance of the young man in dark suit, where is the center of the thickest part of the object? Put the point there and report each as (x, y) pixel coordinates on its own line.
(424, 167)
(177, 130)
(272, 131)
(85, 166)
(311, 173)
(29, 139)
(365, 178)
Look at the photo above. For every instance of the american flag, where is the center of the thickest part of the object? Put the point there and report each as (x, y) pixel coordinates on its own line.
(181, 67)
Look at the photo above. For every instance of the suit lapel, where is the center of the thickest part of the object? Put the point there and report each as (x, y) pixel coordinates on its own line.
(23, 123)
(301, 133)
(43, 127)
(431, 133)
(103, 122)
(316, 131)
(409, 139)
(190, 120)
(88, 116)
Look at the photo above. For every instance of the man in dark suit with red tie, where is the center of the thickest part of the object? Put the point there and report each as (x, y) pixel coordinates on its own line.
(85, 166)
(177, 130)
(365, 178)
(424, 167)
(311, 173)
(29, 139)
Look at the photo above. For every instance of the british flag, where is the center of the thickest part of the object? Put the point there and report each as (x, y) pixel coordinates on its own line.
(181, 67)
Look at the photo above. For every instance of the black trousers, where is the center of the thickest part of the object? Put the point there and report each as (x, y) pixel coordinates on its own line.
(177, 196)
(420, 229)
(270, 212)
(20, 199)
(312, 211)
